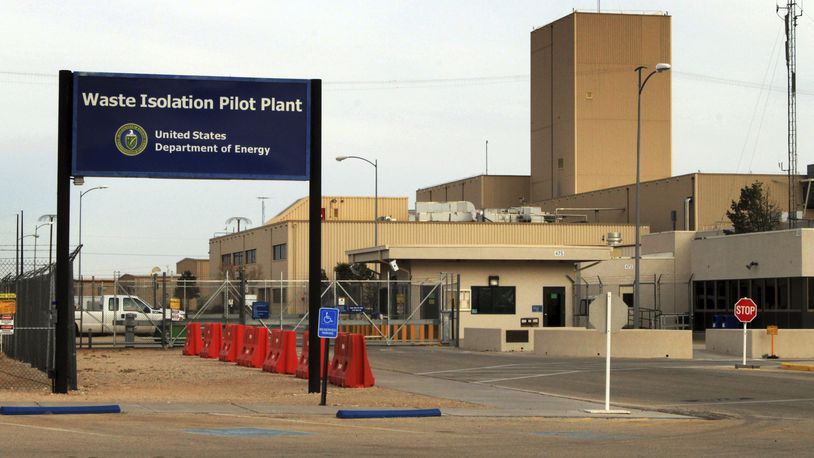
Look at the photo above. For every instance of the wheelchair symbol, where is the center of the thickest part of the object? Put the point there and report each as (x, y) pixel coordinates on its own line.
(327, 319)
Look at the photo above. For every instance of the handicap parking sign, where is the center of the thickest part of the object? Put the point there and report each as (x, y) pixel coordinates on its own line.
(328, 326)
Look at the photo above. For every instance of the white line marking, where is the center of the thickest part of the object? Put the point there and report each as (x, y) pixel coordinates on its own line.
(768, 401)
(526, 376)
(464, 370)
(61, 430)
(343, 425)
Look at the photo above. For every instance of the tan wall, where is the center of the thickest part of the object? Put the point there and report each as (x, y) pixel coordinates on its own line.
(627, 343)
(659, 199)
(528, 277)
(788, 343)
(583, 102)
(484, 191)
(778, 254)
(616, 275)
(712, 196)
(198, 267)
(494, 339)
(717, 192)
(339, 237)
(345, 208)
(608, 49)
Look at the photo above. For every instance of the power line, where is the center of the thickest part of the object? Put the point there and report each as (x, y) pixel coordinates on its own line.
(360, 85)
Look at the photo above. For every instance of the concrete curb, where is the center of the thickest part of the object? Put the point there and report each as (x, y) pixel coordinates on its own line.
(797, 367)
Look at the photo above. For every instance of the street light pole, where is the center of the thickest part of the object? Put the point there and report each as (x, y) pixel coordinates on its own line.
(50, 218)
(263, 200)
(636, 280)
(36, 236)
(375, 164)
(81, 282)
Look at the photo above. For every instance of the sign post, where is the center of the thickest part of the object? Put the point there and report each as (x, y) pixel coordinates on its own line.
(745, 312)
(607, 409)
(175, 126)
(328, 328)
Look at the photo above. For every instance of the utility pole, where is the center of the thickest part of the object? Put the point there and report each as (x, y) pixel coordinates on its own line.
(487, 157)
(790, 20)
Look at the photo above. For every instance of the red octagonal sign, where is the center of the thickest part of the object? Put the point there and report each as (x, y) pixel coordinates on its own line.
(745, 310)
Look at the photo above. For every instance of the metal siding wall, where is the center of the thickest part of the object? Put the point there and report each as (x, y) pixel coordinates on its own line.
(609, 47)
(350, 208)
(717, 191)
(541, 123)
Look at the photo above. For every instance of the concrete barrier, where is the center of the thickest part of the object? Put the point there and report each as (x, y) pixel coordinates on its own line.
(494, 339)
(788, 343)
(627, 343)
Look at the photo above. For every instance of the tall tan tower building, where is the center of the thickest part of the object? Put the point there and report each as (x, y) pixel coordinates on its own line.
(583, 102)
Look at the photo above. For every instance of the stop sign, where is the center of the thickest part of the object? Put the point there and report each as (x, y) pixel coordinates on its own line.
(745, 310)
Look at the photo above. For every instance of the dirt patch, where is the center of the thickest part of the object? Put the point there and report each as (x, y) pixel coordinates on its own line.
(155, 375)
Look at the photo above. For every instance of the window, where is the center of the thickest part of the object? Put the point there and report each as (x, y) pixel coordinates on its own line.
(226, 260)
(810, 293)
(251, 256)
(113, 304)
(131, 305)
(757, 293)
(720, 291)
(770, 300)
(495, 300)
(783, 293)
(238, 258)
(280, 251)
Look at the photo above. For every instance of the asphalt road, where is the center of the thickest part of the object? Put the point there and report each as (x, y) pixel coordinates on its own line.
(736, 413)
(709, 387)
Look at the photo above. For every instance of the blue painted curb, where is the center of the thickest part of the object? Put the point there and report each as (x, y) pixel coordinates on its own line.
(388, 413)
(59, 410)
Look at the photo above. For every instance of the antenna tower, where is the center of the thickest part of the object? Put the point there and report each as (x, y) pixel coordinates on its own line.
(793, 11)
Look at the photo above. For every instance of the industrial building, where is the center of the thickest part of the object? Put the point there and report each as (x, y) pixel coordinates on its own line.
(541, 243)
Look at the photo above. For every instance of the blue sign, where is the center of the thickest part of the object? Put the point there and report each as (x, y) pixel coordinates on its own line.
(537, 308)
(158, 126)
(356, 308)
(260, 310)
(328, 327)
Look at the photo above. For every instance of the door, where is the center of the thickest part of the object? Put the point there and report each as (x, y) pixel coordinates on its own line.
(553, 306)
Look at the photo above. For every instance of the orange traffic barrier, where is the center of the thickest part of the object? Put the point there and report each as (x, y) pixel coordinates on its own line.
(282, 352)
(254, 346)
(211, 341)
(194, 342)
(232, 342)
(302, 363)
(350, 367)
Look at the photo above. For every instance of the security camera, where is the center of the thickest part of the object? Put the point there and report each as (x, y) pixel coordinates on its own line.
(394, 265)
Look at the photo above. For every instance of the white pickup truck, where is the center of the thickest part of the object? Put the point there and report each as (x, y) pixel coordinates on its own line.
(106, 315)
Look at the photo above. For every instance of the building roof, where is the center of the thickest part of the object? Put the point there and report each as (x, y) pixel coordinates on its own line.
(482, 253)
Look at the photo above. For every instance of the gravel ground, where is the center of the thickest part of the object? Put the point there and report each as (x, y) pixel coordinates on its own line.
(156, 375)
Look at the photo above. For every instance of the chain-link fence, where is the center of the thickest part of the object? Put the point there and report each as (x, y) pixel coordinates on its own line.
(402, 311)
(28, 318)
(662, 303)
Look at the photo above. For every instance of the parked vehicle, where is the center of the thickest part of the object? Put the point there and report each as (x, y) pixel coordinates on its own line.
(106, 315)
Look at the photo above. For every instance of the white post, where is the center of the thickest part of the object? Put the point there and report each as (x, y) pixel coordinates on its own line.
(607, 349)
(607, 409)
(744, 343)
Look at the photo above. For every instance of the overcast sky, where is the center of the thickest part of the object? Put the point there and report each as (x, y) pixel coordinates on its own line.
(417, 85)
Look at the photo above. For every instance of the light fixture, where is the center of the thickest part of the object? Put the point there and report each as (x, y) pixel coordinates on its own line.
(494, 280)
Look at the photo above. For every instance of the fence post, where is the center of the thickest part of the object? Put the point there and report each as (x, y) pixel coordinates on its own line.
(242, 296)
(164, 310)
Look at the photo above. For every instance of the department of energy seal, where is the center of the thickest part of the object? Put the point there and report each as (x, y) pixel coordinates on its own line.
(131, 139)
